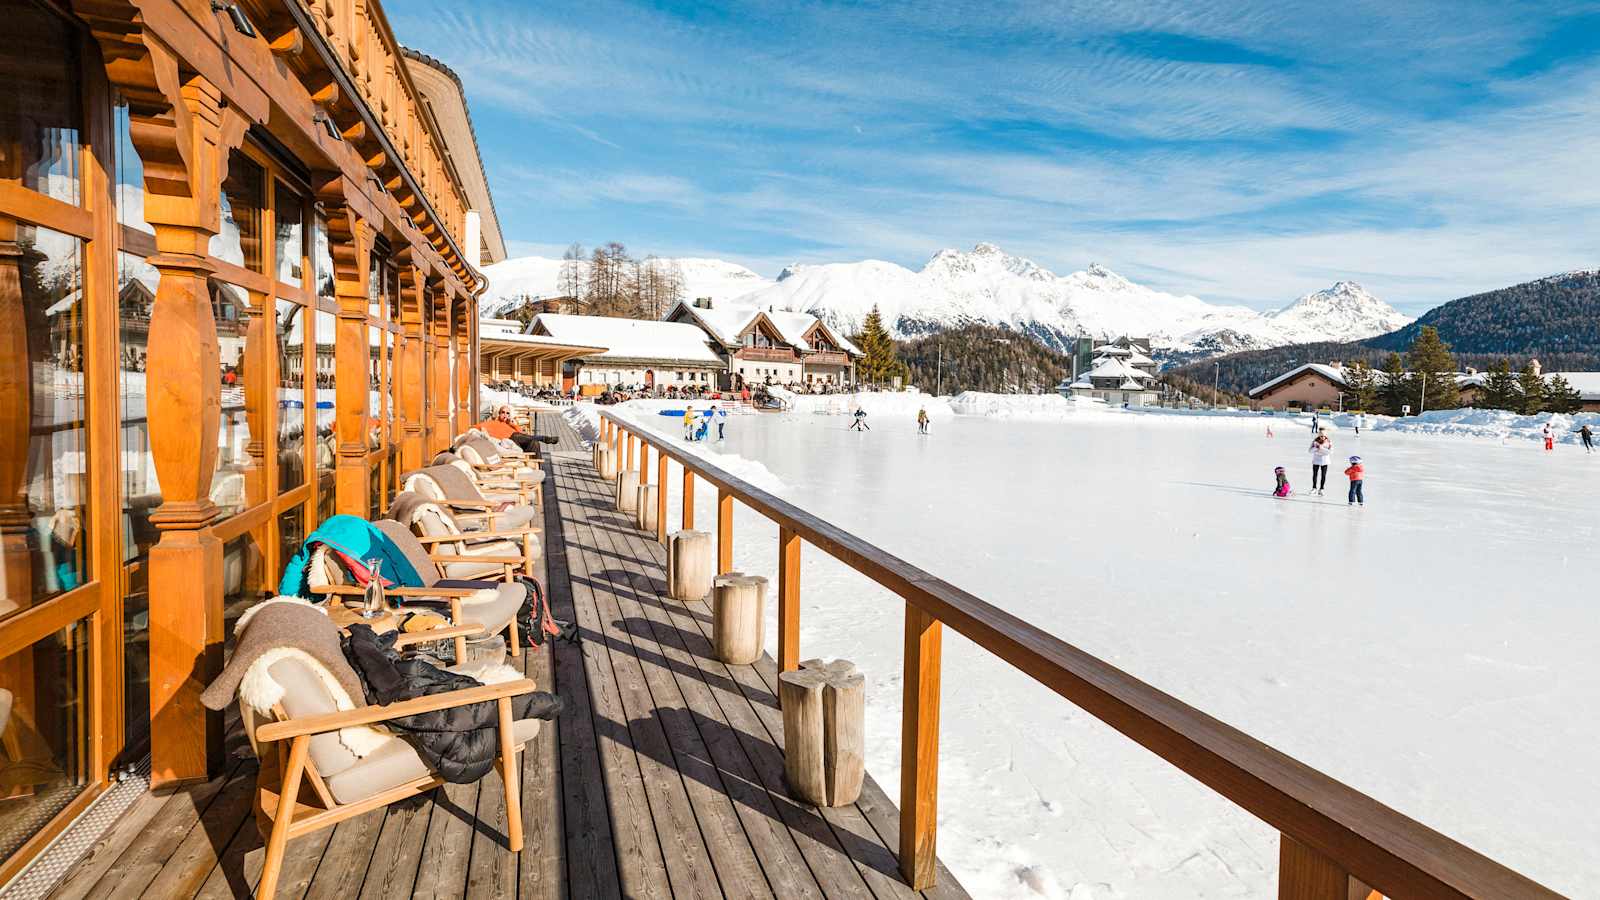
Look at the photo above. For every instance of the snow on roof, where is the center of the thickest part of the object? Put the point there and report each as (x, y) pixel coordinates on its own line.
(1331, 373)
(1586, 383)
(1132, 384)
(1111, 367)
(726, 323)
(1112, 350)
(630, 338)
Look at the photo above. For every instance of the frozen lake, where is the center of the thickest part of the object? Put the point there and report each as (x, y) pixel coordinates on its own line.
(1436, 649)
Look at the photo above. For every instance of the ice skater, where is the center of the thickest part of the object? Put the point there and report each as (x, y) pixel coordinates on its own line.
(1357, 474)
(1361, 422)
(1282, 490)
(922, 421)
(860, 423)
(688, 422)
(1321, 450)
(720, 415)
(1586, 434)
(1549, 438)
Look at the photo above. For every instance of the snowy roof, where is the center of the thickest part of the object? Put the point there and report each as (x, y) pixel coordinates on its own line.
(727, 323)
(629, 338)
(1586, 383)
(1130, 385)
(1112, 350)
(1331, 373)
(1111, 367)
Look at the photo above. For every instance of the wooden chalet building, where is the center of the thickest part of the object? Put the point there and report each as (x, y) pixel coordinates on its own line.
(194, 197)
(773, 347)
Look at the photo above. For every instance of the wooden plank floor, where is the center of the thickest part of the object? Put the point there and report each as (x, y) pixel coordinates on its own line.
(662, 778)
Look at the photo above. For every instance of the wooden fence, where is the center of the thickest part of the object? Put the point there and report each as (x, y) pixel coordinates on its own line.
(1336, 843)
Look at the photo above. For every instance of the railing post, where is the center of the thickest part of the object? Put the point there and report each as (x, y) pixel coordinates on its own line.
(1305, 874)
(633, 441)
(788, 600)
(919, 750)
(644, 462)
(724, 530)
(688, 499)
(661, 496)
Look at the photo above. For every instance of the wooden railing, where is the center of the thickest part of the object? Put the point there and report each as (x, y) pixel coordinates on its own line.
(767, 354)
(827, 358)
(1335, 842)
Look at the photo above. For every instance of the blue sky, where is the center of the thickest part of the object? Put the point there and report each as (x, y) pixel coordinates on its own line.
(1244, 152)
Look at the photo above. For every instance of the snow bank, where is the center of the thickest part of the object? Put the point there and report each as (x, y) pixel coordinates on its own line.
(1486, 423)
(1016, 406)
(876, 403)
(646, 413)
(585, 420)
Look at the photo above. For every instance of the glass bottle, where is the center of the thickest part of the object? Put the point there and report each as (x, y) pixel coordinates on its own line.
(372, 605)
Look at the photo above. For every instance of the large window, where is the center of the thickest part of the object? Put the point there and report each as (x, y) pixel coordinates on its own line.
(232, 490)
(40, 115)
(44, 732)
(239, 241)
(291, 395)
(43, 457)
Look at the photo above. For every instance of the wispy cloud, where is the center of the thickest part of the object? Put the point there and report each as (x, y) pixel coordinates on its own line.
(1245, 151)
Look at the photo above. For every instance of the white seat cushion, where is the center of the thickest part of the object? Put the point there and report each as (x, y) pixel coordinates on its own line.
(397, 763)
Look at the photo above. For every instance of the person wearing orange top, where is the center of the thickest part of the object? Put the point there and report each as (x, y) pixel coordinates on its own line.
(1357, 475)
(501, 428)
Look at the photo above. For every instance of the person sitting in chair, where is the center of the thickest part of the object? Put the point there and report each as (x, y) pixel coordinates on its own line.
(501, 428)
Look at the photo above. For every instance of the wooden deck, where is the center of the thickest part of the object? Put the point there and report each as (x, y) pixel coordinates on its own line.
(664, 777)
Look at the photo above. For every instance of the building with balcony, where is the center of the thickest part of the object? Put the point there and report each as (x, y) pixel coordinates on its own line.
(194, 198)
(770, 347)
(634, 354)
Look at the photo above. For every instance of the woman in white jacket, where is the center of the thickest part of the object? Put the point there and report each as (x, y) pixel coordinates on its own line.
(1321, 451)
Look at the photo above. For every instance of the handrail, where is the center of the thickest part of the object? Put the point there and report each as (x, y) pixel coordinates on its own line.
(1329, 829)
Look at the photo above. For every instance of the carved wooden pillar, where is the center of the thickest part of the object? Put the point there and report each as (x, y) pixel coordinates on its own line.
(350, 244)
(413, 299)
(260, 379)
(439, 392)
(465, 365)
(184, 147)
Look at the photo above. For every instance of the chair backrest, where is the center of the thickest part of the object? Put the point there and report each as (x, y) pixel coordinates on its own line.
(413, 550)
(423, 483)
(453, 481)
(304, 694)
(470, 452)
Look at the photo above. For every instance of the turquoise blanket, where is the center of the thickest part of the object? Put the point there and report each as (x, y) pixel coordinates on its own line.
(356, 538)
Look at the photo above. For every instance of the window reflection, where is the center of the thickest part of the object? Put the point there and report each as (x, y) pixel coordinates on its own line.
(130, 176)
(322, 257)
(291, 532)
(375, 379)
(137, 281)
(239, 242)
(39, 111)
(43, 464)
(229, 484)
(44, 728)
(326, 419)
(288, 211)
(290, 319)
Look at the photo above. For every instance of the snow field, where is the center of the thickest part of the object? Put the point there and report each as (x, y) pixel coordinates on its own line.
(1433, 649)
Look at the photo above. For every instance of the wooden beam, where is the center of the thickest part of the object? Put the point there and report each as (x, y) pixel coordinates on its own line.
(788, 600)
(919, 750)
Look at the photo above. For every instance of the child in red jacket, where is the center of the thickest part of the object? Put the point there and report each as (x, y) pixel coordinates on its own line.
(1356, 474)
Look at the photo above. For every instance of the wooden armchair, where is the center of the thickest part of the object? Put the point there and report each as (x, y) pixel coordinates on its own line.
(307, 781)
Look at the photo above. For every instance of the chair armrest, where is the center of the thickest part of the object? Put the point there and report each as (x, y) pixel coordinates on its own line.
(457, 558)
(372, 715)
(356, 590)
(408, 638)
(468, 504)
(478, 535)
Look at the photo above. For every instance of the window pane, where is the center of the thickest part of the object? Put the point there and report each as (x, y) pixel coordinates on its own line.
(43, 471)
(130, 176)
(322, 257)
(375, 341)
(137, 281)
(239, 242)
(243, 577)
(327, 440)
(289, 247)
(231, 484)
(39, 114)
(44, 745)
(291, 532)
(291, 395)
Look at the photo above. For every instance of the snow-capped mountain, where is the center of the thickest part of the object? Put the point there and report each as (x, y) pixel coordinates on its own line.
(1344, 312)
(538, 276)
(986, 285)
(989, 286)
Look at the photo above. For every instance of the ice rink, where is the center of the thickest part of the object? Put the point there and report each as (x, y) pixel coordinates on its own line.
(1436, 649)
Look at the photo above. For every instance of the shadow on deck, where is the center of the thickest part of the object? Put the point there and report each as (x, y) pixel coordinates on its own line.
(663, 777)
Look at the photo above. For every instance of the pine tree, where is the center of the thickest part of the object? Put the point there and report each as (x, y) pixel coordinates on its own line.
(1500, 390)
(1362, 385)
(1433, 372)
(1394, 387)
(880, 362)
(1532, 391)
(1561, 397)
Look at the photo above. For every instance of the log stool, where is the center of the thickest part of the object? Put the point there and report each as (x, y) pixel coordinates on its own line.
(738, 617)
(628, 491)
(690, 565)
(824, 743)
(646, 517)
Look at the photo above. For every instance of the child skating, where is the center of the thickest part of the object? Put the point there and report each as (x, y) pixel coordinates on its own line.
(1356, 474)
(1282, 490)
(1549, 438)
(860, 423)
(922, 421)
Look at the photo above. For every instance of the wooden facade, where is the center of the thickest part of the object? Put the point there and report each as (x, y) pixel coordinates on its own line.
(233, 302)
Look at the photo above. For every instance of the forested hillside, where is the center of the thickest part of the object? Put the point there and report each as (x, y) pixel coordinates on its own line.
(1559, 314)
(983, 358)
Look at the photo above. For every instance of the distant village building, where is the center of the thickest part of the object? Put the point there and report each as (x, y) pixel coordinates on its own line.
(772, 347)
(1311, 386)
(638, 353)
(1120, 372)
